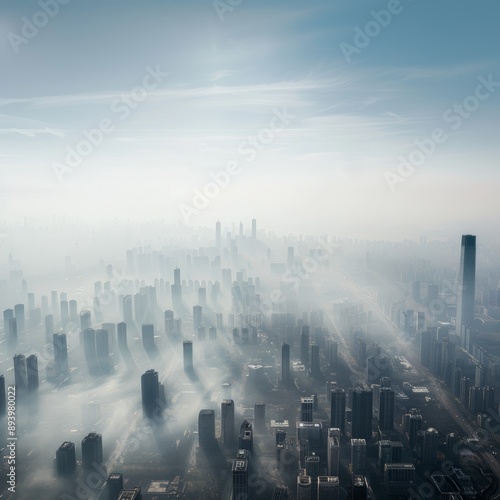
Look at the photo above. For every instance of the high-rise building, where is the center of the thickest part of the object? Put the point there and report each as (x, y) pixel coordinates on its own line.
(131, 494)
(399, 478)
(197, 317)
(218, 237)
(8, 314)
(150, 394)
(415, 425)
(102, 350)
(280, 493)
(49, 326)
(332, 347)
(245, 437)
(312, 470)
(60, 344)
(452, 445)
(240, 479)
(115, 485)
(285, 364)
(358, 489)
(304, 346)
(20, 374)
(358, 456)
(122, 336)
(66, 459)
(3, 397)
(328, 487)
(227, 422)
(306, 409)
(20, 318)
(362, 407)
(304, 487)
(466, 285)
(259, 417)
(148, 337)
(430, 447)
(89, 347)
(315, 365)
(32, 373)
(337, 415)
(12, 338)
(333, 452)
(92, 451)
(85, 320)
(254, 229)
(187, 355)
(206, 429)
(386, 409)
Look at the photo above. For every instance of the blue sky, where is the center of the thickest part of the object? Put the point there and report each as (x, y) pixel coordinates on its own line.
(327, 170)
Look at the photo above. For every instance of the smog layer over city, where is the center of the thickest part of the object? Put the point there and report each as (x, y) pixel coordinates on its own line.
(249, 250)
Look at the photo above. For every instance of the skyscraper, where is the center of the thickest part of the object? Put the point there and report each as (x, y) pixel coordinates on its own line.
(337, 417)
(102, 350)
(206, 428)
(92, 451)
(3, 397)
(60, 353)
(304, 346)
(285, 364)
(148, 337)
(20, 374)
(227, 422)
(90, 351)
(315, 366)
(66, 459)
(122, 336)
(333, 451)
(197, 317)
(466, 285)
(115, 485)
(430, 446)
(32, 373)
(254, 229)
(187, 355)
(20, 318)
(328, 487)
(306, 409)
(259, 417)
(150, 394)
(358, 456)
(240, 479)
(362, 406)
(218, 237)
(386, 409)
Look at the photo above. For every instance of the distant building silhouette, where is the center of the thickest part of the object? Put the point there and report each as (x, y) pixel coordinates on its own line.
(285, 364)
(466, 285)
(187, 355)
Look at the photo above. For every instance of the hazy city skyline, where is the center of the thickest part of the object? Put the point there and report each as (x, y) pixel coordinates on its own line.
(183, 88)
